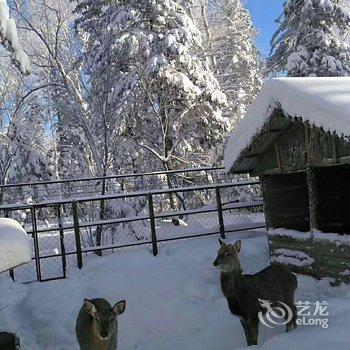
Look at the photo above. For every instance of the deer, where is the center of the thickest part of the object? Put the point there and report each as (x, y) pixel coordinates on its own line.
(97, 324)
(250, 296)
(9, 341)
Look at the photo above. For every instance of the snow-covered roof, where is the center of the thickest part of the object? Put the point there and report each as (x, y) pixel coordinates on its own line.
(323, 102)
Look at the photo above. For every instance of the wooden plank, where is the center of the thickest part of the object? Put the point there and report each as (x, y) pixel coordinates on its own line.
(278, 158)
(312, 190)
(307, 142)
(334, 149)
(274, 171)
(344, 160)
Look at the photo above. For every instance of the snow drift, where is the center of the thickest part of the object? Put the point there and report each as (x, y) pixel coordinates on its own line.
(14, 244)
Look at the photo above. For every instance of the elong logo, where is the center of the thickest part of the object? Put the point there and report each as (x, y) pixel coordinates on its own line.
(278, 313)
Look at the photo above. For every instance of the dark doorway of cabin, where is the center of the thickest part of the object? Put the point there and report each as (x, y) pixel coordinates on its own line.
(333, 192)
(287, 201)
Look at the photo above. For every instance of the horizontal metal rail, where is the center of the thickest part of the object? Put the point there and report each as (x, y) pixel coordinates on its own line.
(44, 204)
(164, 215)
(118, 176)
(162, 240)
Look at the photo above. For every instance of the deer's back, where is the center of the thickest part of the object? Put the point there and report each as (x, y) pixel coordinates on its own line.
(274, 283)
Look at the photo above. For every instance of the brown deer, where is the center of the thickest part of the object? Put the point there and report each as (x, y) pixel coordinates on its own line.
(247, 294)
(97, 325)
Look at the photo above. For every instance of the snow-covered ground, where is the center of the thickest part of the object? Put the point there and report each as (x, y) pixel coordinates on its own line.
(49, 242)
(174, 301)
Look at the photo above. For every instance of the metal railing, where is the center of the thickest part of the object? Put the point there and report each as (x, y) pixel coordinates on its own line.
(39, 191)
(222, 202)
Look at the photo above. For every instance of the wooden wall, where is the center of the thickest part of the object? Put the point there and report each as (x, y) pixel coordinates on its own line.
(331, 258)
(286, 201)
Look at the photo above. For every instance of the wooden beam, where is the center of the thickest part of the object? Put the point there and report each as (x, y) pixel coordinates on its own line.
(344, 160)
(278, 130)
(253, 155)
(268, 172)
(327, 162)
(259, 149)
(307, 143)
(334, 149)
(278, 158)
(313, 200)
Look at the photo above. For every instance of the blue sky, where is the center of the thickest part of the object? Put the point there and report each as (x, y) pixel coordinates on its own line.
(264, 13)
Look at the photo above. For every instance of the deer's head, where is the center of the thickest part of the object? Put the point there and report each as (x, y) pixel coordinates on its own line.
(104, 317)
(227, 259)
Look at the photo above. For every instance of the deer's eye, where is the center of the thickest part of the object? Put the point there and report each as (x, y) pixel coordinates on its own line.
(111, 319)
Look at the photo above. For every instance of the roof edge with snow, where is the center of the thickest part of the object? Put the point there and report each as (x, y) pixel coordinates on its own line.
(322, 102)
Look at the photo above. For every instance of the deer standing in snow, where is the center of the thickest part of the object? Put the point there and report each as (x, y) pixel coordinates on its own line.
(248, 294)
(97, 325)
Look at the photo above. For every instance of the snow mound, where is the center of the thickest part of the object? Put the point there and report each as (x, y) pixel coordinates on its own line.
(14, 245)
(323, 102)
(292, 257)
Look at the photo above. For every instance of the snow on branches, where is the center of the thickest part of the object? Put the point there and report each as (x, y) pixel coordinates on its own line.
(311, 39)
(147, 49)
(232, 54)
(9, 38)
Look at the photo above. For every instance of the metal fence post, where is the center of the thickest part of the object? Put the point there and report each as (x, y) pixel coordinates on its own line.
(36, 244)
(77, 234)
(220, 215)
(63, 249)
(153, 224)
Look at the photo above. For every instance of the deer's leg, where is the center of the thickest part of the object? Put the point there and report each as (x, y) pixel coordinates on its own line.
(292, 324)
(245, 326)
(254, 330)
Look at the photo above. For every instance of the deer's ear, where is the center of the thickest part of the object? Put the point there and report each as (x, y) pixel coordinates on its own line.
(90, 307)
(221, 242)
(237, 246)
(119, 307)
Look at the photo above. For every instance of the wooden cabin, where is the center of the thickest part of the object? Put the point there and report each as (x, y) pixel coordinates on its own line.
(295, 138)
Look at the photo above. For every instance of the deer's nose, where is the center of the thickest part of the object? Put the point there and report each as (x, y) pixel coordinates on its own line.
(104, 335)
(215, 263)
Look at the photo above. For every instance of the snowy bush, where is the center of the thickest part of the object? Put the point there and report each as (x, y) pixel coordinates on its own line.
(15, 248)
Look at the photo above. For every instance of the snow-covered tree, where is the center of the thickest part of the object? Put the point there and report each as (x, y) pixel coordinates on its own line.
(145, 49)
(230, 50)
(24, 155)
(47, 27)
(312, 39)
(10, 40)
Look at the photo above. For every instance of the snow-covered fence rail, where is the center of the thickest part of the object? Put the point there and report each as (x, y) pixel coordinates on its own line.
(39, 191)
(70, 235)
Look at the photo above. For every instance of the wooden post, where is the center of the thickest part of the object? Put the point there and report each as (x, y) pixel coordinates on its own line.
(220, 215)
(307, 143)
(278, 158)
(153, 224)
(77, 234)
(311, 185)
(313, 209)
(334, 149)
